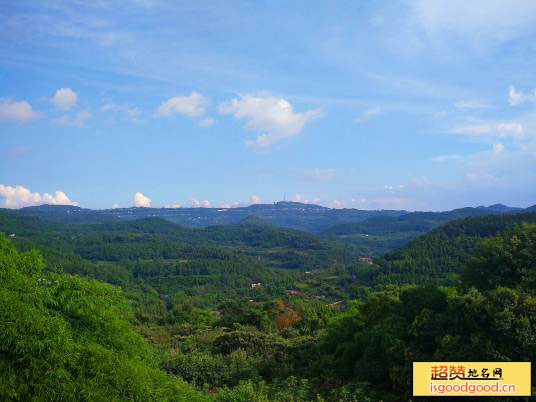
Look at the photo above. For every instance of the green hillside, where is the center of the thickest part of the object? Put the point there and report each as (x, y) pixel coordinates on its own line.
(150, 310)
(438, 256)
(380, 234)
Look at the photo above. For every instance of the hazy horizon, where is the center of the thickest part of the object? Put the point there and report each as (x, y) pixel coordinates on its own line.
(246, 205)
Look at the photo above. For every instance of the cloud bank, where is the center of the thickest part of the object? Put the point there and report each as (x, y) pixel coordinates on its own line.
(141, 200)
(20, 196)
(200, 203)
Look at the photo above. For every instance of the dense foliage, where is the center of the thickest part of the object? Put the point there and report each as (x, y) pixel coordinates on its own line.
(67, 338)
(383, 233)
(313, 218)
(148, 310)
(436, 257)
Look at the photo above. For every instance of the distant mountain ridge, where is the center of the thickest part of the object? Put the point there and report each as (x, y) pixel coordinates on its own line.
(500, 208)
(308, 217)
(295, 215)
(416, 221)
(435, 256)
(382, 233)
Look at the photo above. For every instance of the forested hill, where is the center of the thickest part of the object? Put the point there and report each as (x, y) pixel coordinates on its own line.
(531, 209)
(214, 261)
(413, 221)
(436, 257)
(172, 257)
(312, 218)
(248, 234)
(186, 324)
(380, 234)
(372, 232)
(308, 217)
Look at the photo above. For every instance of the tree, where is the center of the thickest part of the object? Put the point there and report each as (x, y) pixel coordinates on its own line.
(68, 339)
(507, 260)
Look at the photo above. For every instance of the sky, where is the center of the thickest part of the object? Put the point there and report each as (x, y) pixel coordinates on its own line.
(410, 104)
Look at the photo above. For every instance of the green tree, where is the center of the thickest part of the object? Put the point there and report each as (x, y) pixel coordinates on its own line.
(66, 338)
(507, 260)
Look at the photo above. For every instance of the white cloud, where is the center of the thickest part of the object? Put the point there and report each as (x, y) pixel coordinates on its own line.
(359, 201)
(77, 121)
(501, 130)
(16, 111)
(19, 196)
(516, 98)
(133, 113)
(336, 204)
(393, 189)
(499, 167)
(130, 113)
(176, 205)
(59, 198)
(108, 107)
(320, 174)
(200, 203)
(193, 105)
(476, 19)
(255, 199)
(471, 104)
(272, 117)
(233, 204)
(141, 200)
(115, 206)
(479, 177)
(299, 198)
(65, 98)
(374, 203)
(497, 148)
(446, 158)
(207, 122)
(368, 114)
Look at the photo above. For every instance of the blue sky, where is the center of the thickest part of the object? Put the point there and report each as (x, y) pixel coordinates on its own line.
(419, 105)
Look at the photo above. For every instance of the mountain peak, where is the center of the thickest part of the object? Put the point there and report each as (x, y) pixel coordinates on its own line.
(500, 208)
